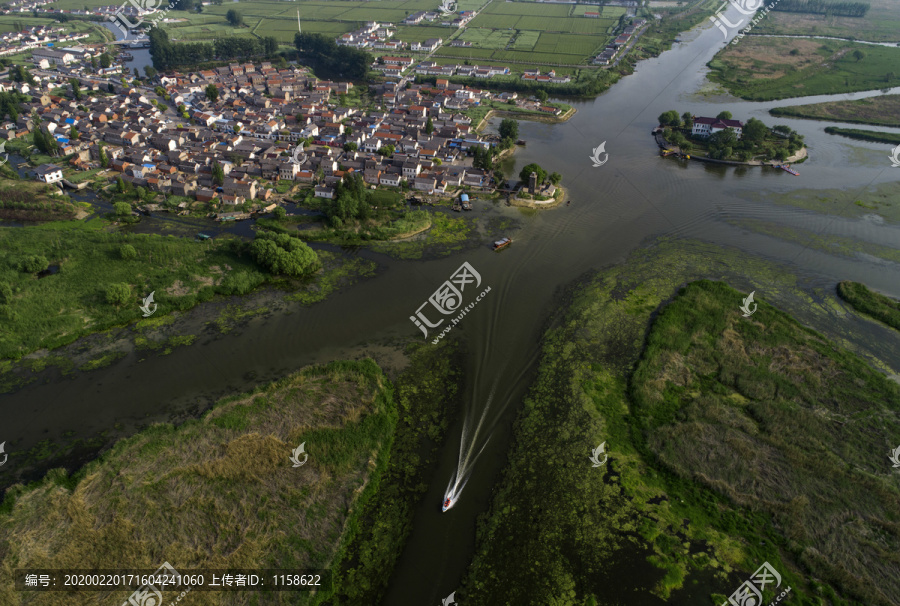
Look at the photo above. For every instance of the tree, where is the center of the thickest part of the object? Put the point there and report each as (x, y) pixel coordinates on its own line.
(555, 178)
(509, 129)
(104, 157)
(726, 115)
(542, 95)
(670, 118)
(33, 264)
(280, 213)
(386, 150)
(94, 63)
(687, 120)
(212, 93)
(525, 173)
(282, 254)
(73, 132)
(755, 131)
(234, 18)
(118, 294)
(150, 71)
(218, 173)
(105, 60)
(122, 209)
(111, 87)
(429, 126)
(350, 146)
(127, 252)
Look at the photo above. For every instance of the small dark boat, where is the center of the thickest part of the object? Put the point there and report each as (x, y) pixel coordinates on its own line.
(502, 243)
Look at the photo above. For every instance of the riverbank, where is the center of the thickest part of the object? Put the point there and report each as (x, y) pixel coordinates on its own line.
(203, 477)
(865, 135)
(693, 495)
(521, 115)
(875, 305)
(878, 111)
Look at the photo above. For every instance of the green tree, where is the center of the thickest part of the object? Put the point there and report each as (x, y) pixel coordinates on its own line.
(687, 120)
(105, 60)
(212, 93)
(525, 173)
(386, 150)
(726, 115)
(234, 18)
(429, 126)
(104, 158)
(754, 131)
(350, 146)
(118, 294)
(509, 129)
(127, 252)
(280, 213)
(670, 118)
(542, 95)
(859, 55)
(218, 173)
(555, 178)
(282, 254)
(150, 71)
(73, 132)
(122, 209)
(33, 264)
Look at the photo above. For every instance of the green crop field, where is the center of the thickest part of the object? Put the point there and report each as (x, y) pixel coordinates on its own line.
(418, 33)
(525, 40)
(570, 44)
(609, 12)
(527, 8)
(486, 38)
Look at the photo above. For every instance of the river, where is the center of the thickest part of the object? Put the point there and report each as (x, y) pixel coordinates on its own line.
(616, 208)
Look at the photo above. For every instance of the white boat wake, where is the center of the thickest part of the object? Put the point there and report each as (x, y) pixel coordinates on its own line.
(467, 455)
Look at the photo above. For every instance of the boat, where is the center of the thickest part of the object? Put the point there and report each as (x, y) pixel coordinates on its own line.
(787, 168)
(448, 503)
(502, 243)
(202, 236)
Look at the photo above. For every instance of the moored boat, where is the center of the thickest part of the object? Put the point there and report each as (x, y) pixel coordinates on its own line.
(787, 168)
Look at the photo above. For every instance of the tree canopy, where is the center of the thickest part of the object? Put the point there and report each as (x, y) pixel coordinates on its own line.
(329, 60)
(282, 254)
(525, 173)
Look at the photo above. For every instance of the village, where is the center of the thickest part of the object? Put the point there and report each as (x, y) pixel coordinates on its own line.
(233, 140)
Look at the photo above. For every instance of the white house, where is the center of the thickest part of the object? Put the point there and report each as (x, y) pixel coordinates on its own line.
(705, 127)
(48, 173)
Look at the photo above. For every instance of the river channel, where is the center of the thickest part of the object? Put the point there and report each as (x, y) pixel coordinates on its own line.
(632, 199)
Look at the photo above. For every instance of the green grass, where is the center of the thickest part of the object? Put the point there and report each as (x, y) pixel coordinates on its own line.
(732, 441)
(863, 300)
(865, 135)
(760, 68)
(220, 490)
(883, 111)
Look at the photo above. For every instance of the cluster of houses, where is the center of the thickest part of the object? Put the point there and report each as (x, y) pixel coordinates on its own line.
(609, 53)
(371, 35)
(253, 132)
(396, 66)
(35, 37)
(535, 75)
(457, 19)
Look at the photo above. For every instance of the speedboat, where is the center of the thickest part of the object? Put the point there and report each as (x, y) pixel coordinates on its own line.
(448, 503)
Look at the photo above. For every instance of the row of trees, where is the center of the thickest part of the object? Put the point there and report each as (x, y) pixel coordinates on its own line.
(823, 7)
(10, 104)
(330, 60)
(167, 55)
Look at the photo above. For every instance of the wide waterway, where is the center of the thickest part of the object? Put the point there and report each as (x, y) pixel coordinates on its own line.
(616, 208)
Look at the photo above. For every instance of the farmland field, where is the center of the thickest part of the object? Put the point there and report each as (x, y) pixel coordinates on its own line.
(525, 40)
(527, 8)
(609, 12)
(418, 33)
(486, 38)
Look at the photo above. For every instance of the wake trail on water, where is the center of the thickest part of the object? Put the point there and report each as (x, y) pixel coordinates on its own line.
(467, 450)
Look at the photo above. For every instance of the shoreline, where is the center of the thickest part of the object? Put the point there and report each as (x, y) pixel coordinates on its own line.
(504, 113)
(558, 200)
